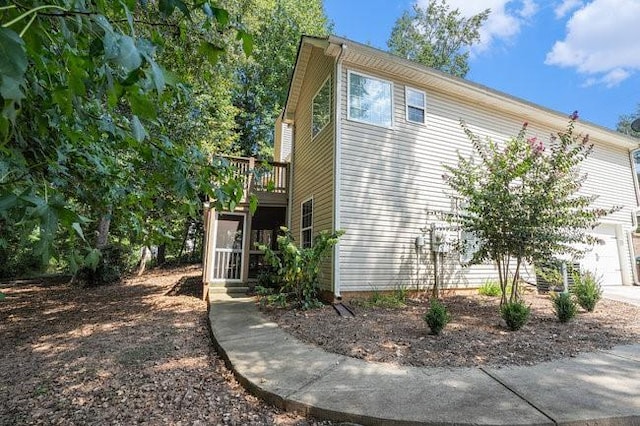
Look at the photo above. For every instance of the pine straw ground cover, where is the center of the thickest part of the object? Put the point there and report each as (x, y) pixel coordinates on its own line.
(136, 352)
(476, 336)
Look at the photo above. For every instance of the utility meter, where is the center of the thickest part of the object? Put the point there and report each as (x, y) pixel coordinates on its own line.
(439, 238)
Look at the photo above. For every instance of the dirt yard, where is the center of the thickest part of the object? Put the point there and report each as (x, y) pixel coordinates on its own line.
(476, 336)
(138, 352)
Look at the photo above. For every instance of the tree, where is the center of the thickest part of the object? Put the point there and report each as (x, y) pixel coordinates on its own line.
(624, 123)
(522, 200)
(83, 144)
(437, 37)
(262, 80)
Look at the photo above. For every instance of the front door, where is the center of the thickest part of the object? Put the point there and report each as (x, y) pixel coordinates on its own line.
(229, 238)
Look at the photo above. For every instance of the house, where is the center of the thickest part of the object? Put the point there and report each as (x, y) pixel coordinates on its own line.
(365, 135)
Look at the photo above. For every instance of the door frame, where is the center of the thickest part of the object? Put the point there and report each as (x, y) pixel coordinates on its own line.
(243, 260)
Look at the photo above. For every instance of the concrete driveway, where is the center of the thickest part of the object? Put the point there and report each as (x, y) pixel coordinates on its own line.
(622, 293)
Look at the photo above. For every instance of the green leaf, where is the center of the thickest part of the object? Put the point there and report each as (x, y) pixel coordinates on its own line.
(128, 56)
(168, 6)
(76, 227)
(247, 41)
(14, 57)
(138, 130)
(10, 89)
(8, 202)
(2, 296)
(211, 51)
(253, 203)
(140, 103)
(222, 16)
(158, 77)
(92, 259)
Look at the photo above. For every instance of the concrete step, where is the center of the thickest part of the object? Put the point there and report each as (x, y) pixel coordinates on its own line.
(229, 289)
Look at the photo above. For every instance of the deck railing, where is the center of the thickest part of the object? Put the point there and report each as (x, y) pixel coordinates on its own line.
(262, 176)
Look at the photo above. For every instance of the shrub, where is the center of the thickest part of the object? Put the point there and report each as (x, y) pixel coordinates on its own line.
(298, 268)
(515, 314)
(564, 306)
(437, 316)
(587, 290)
(110, 267)
(490, 288)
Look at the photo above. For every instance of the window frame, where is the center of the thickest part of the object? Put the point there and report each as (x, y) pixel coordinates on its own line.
(306, 228)
(407, 105)
(313, 101)
(391, 102)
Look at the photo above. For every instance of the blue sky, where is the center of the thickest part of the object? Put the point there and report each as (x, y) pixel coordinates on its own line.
(561, 54)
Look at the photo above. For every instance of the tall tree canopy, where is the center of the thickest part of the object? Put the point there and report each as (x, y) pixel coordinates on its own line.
(112, 111)
(624, 123)
(437, 36)
(262, 79)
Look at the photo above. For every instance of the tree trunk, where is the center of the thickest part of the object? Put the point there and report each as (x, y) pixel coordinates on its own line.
(103, 230)
(162, 248)
(145, 256)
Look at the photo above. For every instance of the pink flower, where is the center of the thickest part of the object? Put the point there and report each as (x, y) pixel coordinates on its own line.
(537, 146)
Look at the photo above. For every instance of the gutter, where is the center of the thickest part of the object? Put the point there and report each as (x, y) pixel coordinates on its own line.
(337, 161)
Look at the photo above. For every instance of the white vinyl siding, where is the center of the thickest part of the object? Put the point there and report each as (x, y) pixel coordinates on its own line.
(416, 101)
(390, 178)
(306, 224)
(370, 100)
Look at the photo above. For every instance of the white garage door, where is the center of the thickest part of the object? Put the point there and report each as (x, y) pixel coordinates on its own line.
(604, 259)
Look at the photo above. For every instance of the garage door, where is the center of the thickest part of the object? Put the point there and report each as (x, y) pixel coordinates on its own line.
(604, 259)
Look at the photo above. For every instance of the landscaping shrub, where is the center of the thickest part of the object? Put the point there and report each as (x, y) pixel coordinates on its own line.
(564, 306)
(587, 290)
(490, 288)
(437, 316)
(515, 314)
(297, 269)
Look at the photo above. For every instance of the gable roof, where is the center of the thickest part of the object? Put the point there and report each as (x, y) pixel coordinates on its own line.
(371, 58)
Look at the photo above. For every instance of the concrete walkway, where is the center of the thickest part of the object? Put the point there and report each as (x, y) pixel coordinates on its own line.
(601, 388)
(622, 293)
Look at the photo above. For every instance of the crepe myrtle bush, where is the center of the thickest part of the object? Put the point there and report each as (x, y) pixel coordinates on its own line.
(522, 200)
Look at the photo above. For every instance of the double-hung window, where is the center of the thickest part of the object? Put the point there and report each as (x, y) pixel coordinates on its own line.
(306, 225)
(321, 108)
(416, 105)
(370, 100)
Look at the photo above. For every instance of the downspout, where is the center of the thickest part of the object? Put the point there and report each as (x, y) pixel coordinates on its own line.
(337, 161)
(634, 267)
(290, 177)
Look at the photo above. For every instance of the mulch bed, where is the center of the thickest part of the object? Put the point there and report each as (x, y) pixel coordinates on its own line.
(477, 336)
(133, 353)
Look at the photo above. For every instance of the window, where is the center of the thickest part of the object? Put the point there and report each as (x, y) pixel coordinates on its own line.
(370, 100)
(416, 104)
(321, 108)
(306, 227)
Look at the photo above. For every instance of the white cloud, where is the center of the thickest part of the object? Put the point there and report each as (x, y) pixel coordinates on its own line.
(565, 7)
(601, 41)
(505, 19)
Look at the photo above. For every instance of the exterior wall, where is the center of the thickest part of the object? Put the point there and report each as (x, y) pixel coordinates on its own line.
(312, 166)
(391, 178)
(283, 141)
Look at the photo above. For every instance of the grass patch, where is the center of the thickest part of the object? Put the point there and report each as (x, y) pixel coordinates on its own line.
(394, 299)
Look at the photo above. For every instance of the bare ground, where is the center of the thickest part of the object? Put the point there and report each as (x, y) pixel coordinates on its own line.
(476, 336)
(137, 352)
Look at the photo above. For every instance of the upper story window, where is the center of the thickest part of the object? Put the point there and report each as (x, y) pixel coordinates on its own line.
(416, 105)
(306, 225)
(370, 100)
(321, 108)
